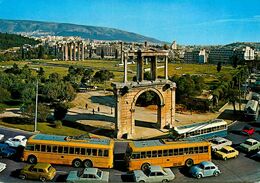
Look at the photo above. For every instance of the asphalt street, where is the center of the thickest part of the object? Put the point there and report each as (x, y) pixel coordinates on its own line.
(242, 169)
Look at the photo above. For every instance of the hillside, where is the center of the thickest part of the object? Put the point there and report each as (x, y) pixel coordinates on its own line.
(255, 45)
(37, 28)
(12, 40)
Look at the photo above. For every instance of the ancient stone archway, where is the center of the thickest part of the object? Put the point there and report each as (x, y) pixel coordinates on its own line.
(127, 93)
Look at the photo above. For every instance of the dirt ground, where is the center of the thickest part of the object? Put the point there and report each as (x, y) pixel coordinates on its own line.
(97, 117)
(104, 118)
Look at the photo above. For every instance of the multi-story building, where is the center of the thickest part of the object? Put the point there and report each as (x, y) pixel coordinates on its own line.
(195, 56)
(222, 55)
(245, 53)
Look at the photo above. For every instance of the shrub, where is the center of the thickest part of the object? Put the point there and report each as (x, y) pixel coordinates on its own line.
(58, 124)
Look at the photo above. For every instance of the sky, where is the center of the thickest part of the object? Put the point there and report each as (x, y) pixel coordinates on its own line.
(200, 22)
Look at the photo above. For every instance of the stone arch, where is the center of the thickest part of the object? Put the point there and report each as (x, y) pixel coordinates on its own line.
(159, 108)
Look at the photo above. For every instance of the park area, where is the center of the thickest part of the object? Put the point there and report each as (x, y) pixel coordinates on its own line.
(93, 111)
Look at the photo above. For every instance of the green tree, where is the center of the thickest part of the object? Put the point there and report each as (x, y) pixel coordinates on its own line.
(219, 67)
(102, 54)
(103, 75)
(41, 52)
(43, 111)
(60, 111)
(5, 95)
(54, 77)
(87, 75)
(233, 97)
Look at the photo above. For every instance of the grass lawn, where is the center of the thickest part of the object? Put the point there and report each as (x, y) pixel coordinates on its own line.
(46, 128)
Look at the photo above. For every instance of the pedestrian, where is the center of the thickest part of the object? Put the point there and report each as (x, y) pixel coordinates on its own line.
(86, 105)
(98, 109)
(111, 110)
(93, 111)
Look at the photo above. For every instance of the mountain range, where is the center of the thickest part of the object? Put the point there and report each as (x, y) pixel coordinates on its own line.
(38, 28)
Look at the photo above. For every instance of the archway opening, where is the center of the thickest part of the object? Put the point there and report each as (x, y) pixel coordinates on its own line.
(147, 110)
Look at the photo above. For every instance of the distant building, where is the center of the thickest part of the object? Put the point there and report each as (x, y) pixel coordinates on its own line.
(222, 55)
(173, 46)
(195, 56)
(245, 53)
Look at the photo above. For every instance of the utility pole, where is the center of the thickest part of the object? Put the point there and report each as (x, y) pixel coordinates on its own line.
(36, 105)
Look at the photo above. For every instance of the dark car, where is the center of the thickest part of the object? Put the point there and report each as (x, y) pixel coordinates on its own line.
(6, 151)
(248, 130)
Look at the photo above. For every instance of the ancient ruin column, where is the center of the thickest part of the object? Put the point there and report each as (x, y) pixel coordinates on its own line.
(166, 67)
(63, 52)
(173, 91)
(125, 67)
(66, 51)
(122, 54)
(75, 53)
(83, 52)
(140, 66)
(70, 46)
(79, 54)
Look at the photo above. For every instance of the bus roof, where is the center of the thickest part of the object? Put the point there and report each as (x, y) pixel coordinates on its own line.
(43, 137)
(199, 126)
(163, 144)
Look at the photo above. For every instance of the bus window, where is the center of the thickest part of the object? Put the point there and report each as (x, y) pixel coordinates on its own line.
(191, 150)
(165, 152)
(94, 152)
(149, 154)
(71, 150)
(65, 150)
(83, 151)
(54, 149)
(88, 151)
(176, 152)
(48, 148)
(180, 151)
(206, 149)
(142, 154)
(60, 149)
(154, 153)
(170, 152)
(77, 150)
(37, 147)
(200, 149)
(159, 153)
(100, 152)
(43, 148)
(30, 147)
(196, 150)
(186, 150)
(106, 153)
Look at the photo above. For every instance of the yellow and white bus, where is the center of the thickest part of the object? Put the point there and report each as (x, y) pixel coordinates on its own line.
(67, 150)
(141, 154)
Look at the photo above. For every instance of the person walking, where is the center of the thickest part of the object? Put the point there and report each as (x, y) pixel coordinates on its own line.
(93, 111)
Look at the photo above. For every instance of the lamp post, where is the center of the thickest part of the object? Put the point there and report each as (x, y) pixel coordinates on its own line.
(36, 105)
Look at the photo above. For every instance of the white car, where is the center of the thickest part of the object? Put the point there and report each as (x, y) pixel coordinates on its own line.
(17, 141)
(2, 166)
(219, 142)
(1, 137)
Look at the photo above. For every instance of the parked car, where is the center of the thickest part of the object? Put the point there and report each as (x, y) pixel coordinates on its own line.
(256, 156)
(204, 169)
(6, 151)
(249, 145)
(88, 175)
(154, 174)
(218, 142)
(2, 166)
(1, 137)
(16, 141)
(39, 171)
(248, 130)
(227, 152)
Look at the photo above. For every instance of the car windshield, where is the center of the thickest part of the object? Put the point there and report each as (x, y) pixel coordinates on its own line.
(224, 150)
(99, 173)
(80, 173)
(201, 166)
(147, 172)
(248, 143)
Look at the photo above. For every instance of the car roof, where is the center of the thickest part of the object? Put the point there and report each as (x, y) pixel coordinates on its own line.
(207, 163)
(155, 168)
(90, 171)
(218, 139)
(228, 148)
(42, 165)
(19, 137)
(251, 140)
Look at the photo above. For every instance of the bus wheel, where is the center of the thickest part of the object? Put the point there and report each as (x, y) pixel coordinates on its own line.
(145, 166)
(189, 163)
(76, 163)
(32, 159)
(87, 164)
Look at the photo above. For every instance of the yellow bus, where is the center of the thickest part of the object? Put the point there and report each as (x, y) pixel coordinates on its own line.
(67, 150)
(141, 154)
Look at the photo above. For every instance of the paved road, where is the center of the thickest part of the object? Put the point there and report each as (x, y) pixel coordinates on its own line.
(242, 169)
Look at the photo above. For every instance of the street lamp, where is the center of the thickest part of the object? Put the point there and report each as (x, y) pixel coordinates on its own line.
(36, 105)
